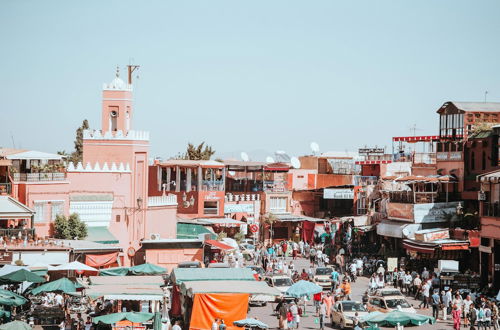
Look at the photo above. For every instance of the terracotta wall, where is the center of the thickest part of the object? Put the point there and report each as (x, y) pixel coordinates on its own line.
(169, 258)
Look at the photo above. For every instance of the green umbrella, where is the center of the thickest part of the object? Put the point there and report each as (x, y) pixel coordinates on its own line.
(15, 325)
(303, 288)
(12, 301)
(10, 294)
(117, 271)
(4, 313)
(117, 317)
(147, 269)
(398, 317)
(21, 275)
(61, 285)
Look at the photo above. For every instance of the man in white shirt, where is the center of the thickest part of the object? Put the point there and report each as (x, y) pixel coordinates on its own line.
(417, 282)
(177, 326)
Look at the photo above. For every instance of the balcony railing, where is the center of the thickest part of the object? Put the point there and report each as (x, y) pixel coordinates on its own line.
(449, 156)
(5, 188)
(422, 197)
(490, 209)
(36, 177)
(167, 200)
(8, 232)
(360, 180)
(235, 197)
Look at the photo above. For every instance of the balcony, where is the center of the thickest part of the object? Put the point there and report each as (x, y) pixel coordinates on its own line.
(235, 197)
(409, 197)
(15, 232)
(39, 177)
(360, 180)
(491, 210)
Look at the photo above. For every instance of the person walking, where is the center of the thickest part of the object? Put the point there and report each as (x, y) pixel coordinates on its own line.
(466, 308)
(222, 325)
(445, 304)
(215, 324)
(425, 296)
(322, 315)
(435, 301)
(494, 316)
(456, 315)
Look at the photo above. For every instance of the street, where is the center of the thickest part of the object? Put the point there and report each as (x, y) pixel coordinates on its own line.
(266, 315)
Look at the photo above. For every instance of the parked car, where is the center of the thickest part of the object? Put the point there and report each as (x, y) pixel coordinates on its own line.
(247, 247)
(218, 265)
(280, 282)
(387, 304)
(189, 264)
(387, 292)
(343, 312)
(323, 277)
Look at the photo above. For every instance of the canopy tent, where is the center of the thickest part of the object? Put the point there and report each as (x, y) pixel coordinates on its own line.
(15, 325)
(74, 265)
(21, 275)
(398, 318)
(250, 287)
(126, 280)
(147, 269)
(116, 271)
(126, 292)
(130, 316)
(191, 230)
(303, 288)
(60, 285)
(9, 298)
(180, 275)
(100, 234)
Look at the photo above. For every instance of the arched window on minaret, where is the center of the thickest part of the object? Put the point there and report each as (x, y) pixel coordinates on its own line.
(113, 118)
(127, 120)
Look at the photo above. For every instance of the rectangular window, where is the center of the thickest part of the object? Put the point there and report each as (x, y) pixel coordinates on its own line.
(40, 212)
(211, 207)
(57, 208)
(277, 204)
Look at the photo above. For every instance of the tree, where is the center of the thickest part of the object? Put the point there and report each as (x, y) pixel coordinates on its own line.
(69, 227)
(197, 152)
(77, 155)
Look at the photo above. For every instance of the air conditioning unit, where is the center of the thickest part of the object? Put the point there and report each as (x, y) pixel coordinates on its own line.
(481, 196)
(155, 237)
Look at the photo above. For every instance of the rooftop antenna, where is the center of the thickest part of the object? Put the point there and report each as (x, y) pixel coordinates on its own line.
(485, 95)
(130, 69)
(244, 156)
(12, 138)
(314, 147)
(414, 129)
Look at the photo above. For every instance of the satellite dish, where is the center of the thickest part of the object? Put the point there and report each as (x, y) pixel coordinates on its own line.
(280, 152)
(295, 162)
(244, 156)
(314, 147)
(269, 159)
(232, 173)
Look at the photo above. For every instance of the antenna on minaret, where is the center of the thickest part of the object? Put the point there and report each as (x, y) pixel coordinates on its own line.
(131, 68)
(485, 95)
(117, 74)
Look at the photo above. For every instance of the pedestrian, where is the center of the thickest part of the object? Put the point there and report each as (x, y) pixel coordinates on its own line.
(294, 310)
(88, 323)
(215, 324)
(466, 308)
(322, 315)
(445, 302)
(407, 282)
(355, 322)
(222, 325)
(456, 315)
(472, 316)
(487, 315)
(481, 318)
(328, 300)
(436, 301)
(346, 289)
(335, 279)
(282, 314)
(417, 283)
(494, 316)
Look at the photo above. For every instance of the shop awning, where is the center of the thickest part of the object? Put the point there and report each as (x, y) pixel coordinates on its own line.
(288, 217)
(180, 275)
(493, 177)
(13, 209)
(218, 245)
(397, 229)
(126, 292)
(250, 287)
(221, 221)
(100, 235)
(430, 247)
(190, 230)
(126, 280)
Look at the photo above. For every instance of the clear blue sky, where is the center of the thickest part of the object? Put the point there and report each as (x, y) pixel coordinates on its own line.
(245, 75)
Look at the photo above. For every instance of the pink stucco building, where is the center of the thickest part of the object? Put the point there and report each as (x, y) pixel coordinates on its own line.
(109, 189)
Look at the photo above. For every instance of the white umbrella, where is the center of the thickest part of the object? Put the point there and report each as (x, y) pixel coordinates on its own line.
(75, 265)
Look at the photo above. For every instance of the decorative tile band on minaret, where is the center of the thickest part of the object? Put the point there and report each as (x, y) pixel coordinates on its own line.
(113, 168)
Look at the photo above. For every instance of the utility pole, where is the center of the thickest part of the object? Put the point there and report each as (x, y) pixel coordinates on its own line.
(131, 68)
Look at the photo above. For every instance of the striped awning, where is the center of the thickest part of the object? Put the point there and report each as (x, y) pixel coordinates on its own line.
(431, 247)
(492, 177)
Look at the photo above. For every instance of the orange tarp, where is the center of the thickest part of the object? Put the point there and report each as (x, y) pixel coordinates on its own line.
(101, 260)
(229, 307)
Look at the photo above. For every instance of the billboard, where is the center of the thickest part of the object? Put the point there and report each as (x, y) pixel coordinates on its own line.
(338, 193)
(434, 212)
(400, 211)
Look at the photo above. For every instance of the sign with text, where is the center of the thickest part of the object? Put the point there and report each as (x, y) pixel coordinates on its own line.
(434, 212)
(333, 193)
(238, 208)
(371, 151)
